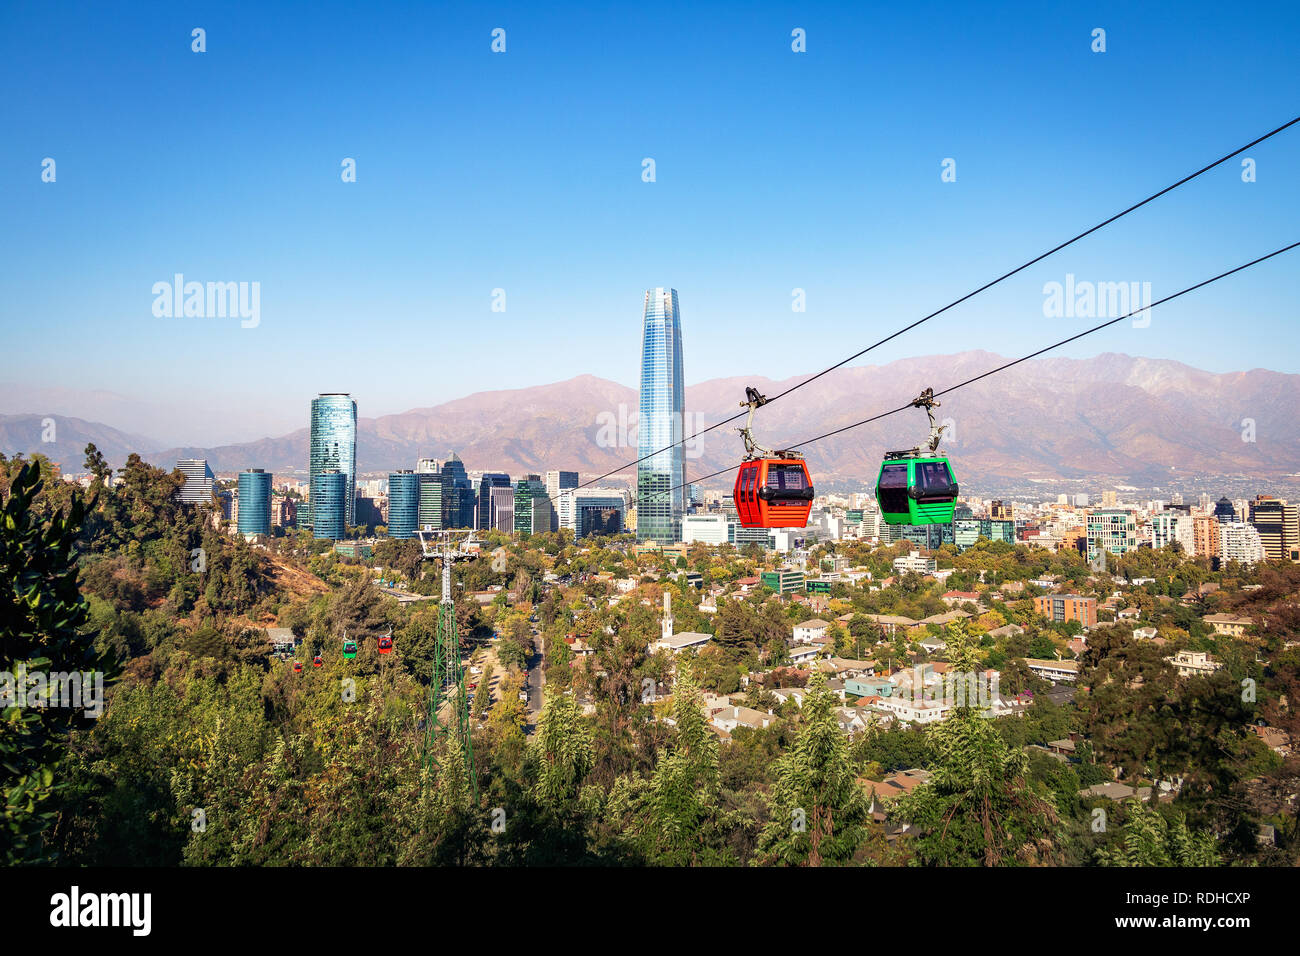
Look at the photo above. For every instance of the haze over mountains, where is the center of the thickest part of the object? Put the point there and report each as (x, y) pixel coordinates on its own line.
(1113, 417)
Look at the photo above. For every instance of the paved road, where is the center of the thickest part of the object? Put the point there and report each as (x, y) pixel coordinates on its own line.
(534, 681)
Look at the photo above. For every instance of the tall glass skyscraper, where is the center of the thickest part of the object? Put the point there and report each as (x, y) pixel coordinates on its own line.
(403, 504)
(328, 511)
(458, 506)
(254, 502)
(532, 506)
(433, 499)
(661, 479)
(334, 445)
(493, 479)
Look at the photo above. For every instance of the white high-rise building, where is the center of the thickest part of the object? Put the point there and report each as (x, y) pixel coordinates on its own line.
(1168, 527)
(704, 528)
(1240, 542)
(198, 481)
(558, 482)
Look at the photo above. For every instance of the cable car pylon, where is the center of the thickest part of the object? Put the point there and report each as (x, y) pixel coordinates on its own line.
(447, 681)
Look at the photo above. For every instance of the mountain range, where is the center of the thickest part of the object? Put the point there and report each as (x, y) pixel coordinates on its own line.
(1113, 417)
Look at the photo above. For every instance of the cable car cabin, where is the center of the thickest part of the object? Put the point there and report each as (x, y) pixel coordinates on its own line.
(297, 667)
(916, 490)
(318, 661)
(349, 650)
(385, 645)
(773, 493)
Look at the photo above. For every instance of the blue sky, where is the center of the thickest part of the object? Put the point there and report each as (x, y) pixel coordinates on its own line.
(522, 171)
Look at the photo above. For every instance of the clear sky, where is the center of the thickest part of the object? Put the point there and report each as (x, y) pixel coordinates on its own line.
(522, 171)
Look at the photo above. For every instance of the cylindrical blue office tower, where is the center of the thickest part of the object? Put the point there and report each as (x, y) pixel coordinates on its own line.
(254, 502)
(334, 442)
(403, 504)
(329, 516)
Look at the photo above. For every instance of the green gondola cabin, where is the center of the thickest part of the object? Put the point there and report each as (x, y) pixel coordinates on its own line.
(916, 490)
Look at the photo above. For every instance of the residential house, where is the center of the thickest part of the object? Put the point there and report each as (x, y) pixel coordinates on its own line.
(810, 631)
(1192, 663)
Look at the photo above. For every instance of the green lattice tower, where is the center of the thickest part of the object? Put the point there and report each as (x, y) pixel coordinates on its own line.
(447, 684)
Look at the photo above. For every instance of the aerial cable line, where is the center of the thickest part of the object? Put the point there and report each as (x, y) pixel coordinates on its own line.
(988, 285)
(1024, 358)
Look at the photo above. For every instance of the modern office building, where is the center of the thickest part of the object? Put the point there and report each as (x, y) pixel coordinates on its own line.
(783, 581)
(1224, 511)
(433, 500)
(254, 502)
(1172, 527)
(557, 481)
(602, 519)
(501, 505)
(661, 477)
(560, 486)
(594, 511)
(705, 529)
(1278, 524)
(330, 490)
(458, 491)
(532, 506)
(965, 532)
(403, 504)
(334, 446)
(1112, 530)
(198, 481)
(489, 481)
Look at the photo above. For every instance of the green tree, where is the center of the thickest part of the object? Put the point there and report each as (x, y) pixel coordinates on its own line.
(683, 824)
(818, 812)
(1147, 838)
(42, 613)
(563, 754)
(977, 808)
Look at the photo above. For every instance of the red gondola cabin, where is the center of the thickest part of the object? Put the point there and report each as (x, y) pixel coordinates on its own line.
(318, 661)
(297, 667)
(773, 493)
(385, 645)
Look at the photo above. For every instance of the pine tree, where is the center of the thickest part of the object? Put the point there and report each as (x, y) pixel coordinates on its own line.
(977, 807)
(563, 754)
(1148, 839)
(819, 813)
(683, 823)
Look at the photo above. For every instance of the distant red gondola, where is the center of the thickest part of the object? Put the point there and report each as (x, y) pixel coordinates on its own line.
(297, 667)
(386, 644)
